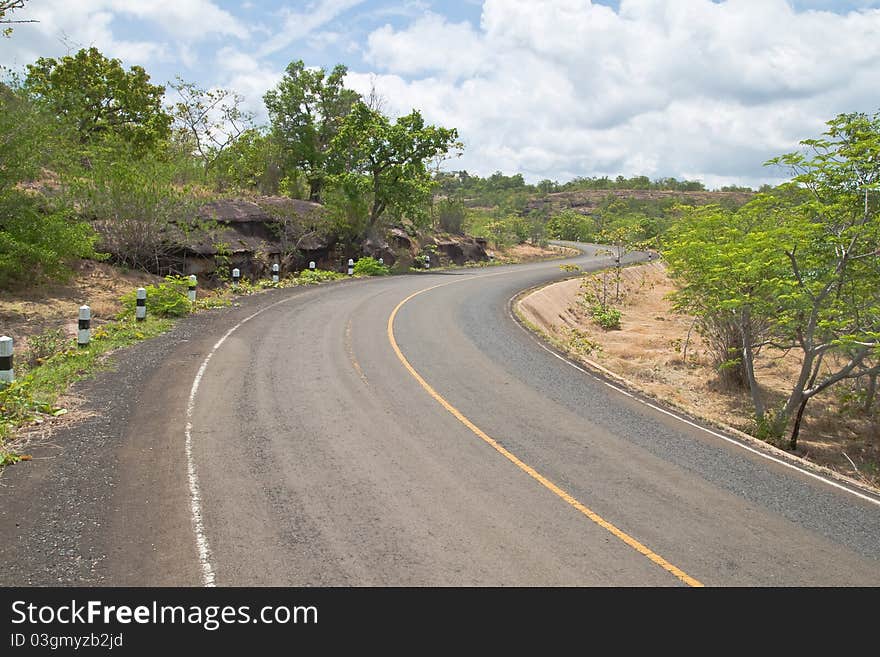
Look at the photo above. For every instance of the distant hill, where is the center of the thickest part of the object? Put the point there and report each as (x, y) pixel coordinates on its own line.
(588, 201)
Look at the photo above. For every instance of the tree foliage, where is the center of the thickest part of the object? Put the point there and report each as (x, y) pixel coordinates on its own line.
(207, 121)
(98, 99)
(386, 162)
(796, 268)
(307, 109)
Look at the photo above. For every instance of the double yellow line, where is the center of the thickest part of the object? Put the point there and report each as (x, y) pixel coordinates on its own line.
(529, 470)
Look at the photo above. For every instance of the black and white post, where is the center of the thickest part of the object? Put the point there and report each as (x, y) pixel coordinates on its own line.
(312, 265)
(140, 310)
(275, 273)
(236, 274)
(84, 333)
(191, 292)
(351, 267)
(427, 261)
(381, 261)
(7, 375)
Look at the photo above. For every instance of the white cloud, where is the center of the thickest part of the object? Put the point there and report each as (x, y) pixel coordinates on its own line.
(190, 19)
(564, 88)
(165, 30)
(298, 25)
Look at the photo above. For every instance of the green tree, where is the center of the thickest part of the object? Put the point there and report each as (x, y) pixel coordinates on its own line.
(136, 207)
(797, 269)
(207, 121)
(39, 236)
(386, 162)
(307, 109)
(571, 226)
(99, 100)
(252, 162)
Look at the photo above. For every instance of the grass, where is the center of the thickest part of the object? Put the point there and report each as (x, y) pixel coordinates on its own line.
(33, 396)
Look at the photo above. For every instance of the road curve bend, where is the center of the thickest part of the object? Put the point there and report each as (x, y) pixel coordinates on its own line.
(407, 431)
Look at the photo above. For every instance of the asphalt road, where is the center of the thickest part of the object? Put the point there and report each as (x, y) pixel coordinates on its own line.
(287, 442)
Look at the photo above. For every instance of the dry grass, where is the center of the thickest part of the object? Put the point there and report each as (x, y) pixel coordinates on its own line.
(30, 311)
(648, 350)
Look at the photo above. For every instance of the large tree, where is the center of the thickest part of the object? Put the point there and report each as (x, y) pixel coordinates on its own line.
(306, 110)
(796, 269)
(387, 163)
(97, 99)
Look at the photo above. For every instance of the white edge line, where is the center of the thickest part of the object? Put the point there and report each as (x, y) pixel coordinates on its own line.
(195, 495)
(680, 418)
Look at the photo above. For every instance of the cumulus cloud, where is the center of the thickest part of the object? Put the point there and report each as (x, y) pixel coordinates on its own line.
(65, 25)
(563, 88)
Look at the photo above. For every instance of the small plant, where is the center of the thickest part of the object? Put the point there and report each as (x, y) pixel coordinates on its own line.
(244, 287)
(570, 268)
(43, 346)
(580, 342)
(606, 317)
(370, 267)
(314, 276)
(168, 299)
(269, 284)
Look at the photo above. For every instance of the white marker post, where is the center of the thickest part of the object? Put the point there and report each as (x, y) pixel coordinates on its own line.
(191, 292)
(140, 310)
(85, 323)
(275, 273)
(7, 375)
(312, 265)
(427, 261)
(350, 267)
(381, 261)
(236, 274)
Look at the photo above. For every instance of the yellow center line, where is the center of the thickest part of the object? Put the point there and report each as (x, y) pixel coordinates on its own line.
(529, 470)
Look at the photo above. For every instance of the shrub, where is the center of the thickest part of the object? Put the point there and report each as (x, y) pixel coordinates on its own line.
(312, 276)
(370, 267)
(38, 243)
(607, 317)
(168, 299)
(43, 346)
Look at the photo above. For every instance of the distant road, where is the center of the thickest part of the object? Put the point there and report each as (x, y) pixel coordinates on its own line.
(303, 439)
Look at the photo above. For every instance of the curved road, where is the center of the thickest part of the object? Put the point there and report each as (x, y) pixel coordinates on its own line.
(304, 439)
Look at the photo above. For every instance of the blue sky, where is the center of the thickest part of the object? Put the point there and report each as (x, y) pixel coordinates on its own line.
(552, 89)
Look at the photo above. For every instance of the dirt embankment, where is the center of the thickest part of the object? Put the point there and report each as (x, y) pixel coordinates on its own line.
(657, 352)
(33, 310)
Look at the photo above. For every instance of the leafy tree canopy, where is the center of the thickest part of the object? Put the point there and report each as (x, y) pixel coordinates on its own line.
(96, 98)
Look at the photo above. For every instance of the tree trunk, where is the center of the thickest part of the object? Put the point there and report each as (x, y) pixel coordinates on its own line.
(749, 365)
(315, 186)
(792, 441)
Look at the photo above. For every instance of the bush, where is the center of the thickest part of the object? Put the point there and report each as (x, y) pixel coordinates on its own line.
(37, 243)
(370, 267)
(45, 345)
(168, 299)
(312, 276)
(607, 317)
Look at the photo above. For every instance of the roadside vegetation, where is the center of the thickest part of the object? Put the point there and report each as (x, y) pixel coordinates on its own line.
(95, 166)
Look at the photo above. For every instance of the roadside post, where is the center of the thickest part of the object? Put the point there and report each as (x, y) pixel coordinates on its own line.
(350, 267)
(191, 292)
(84, 333)
(7, 375)
(140, 310)
(236, 274)
(275, 273)
(312, 265)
